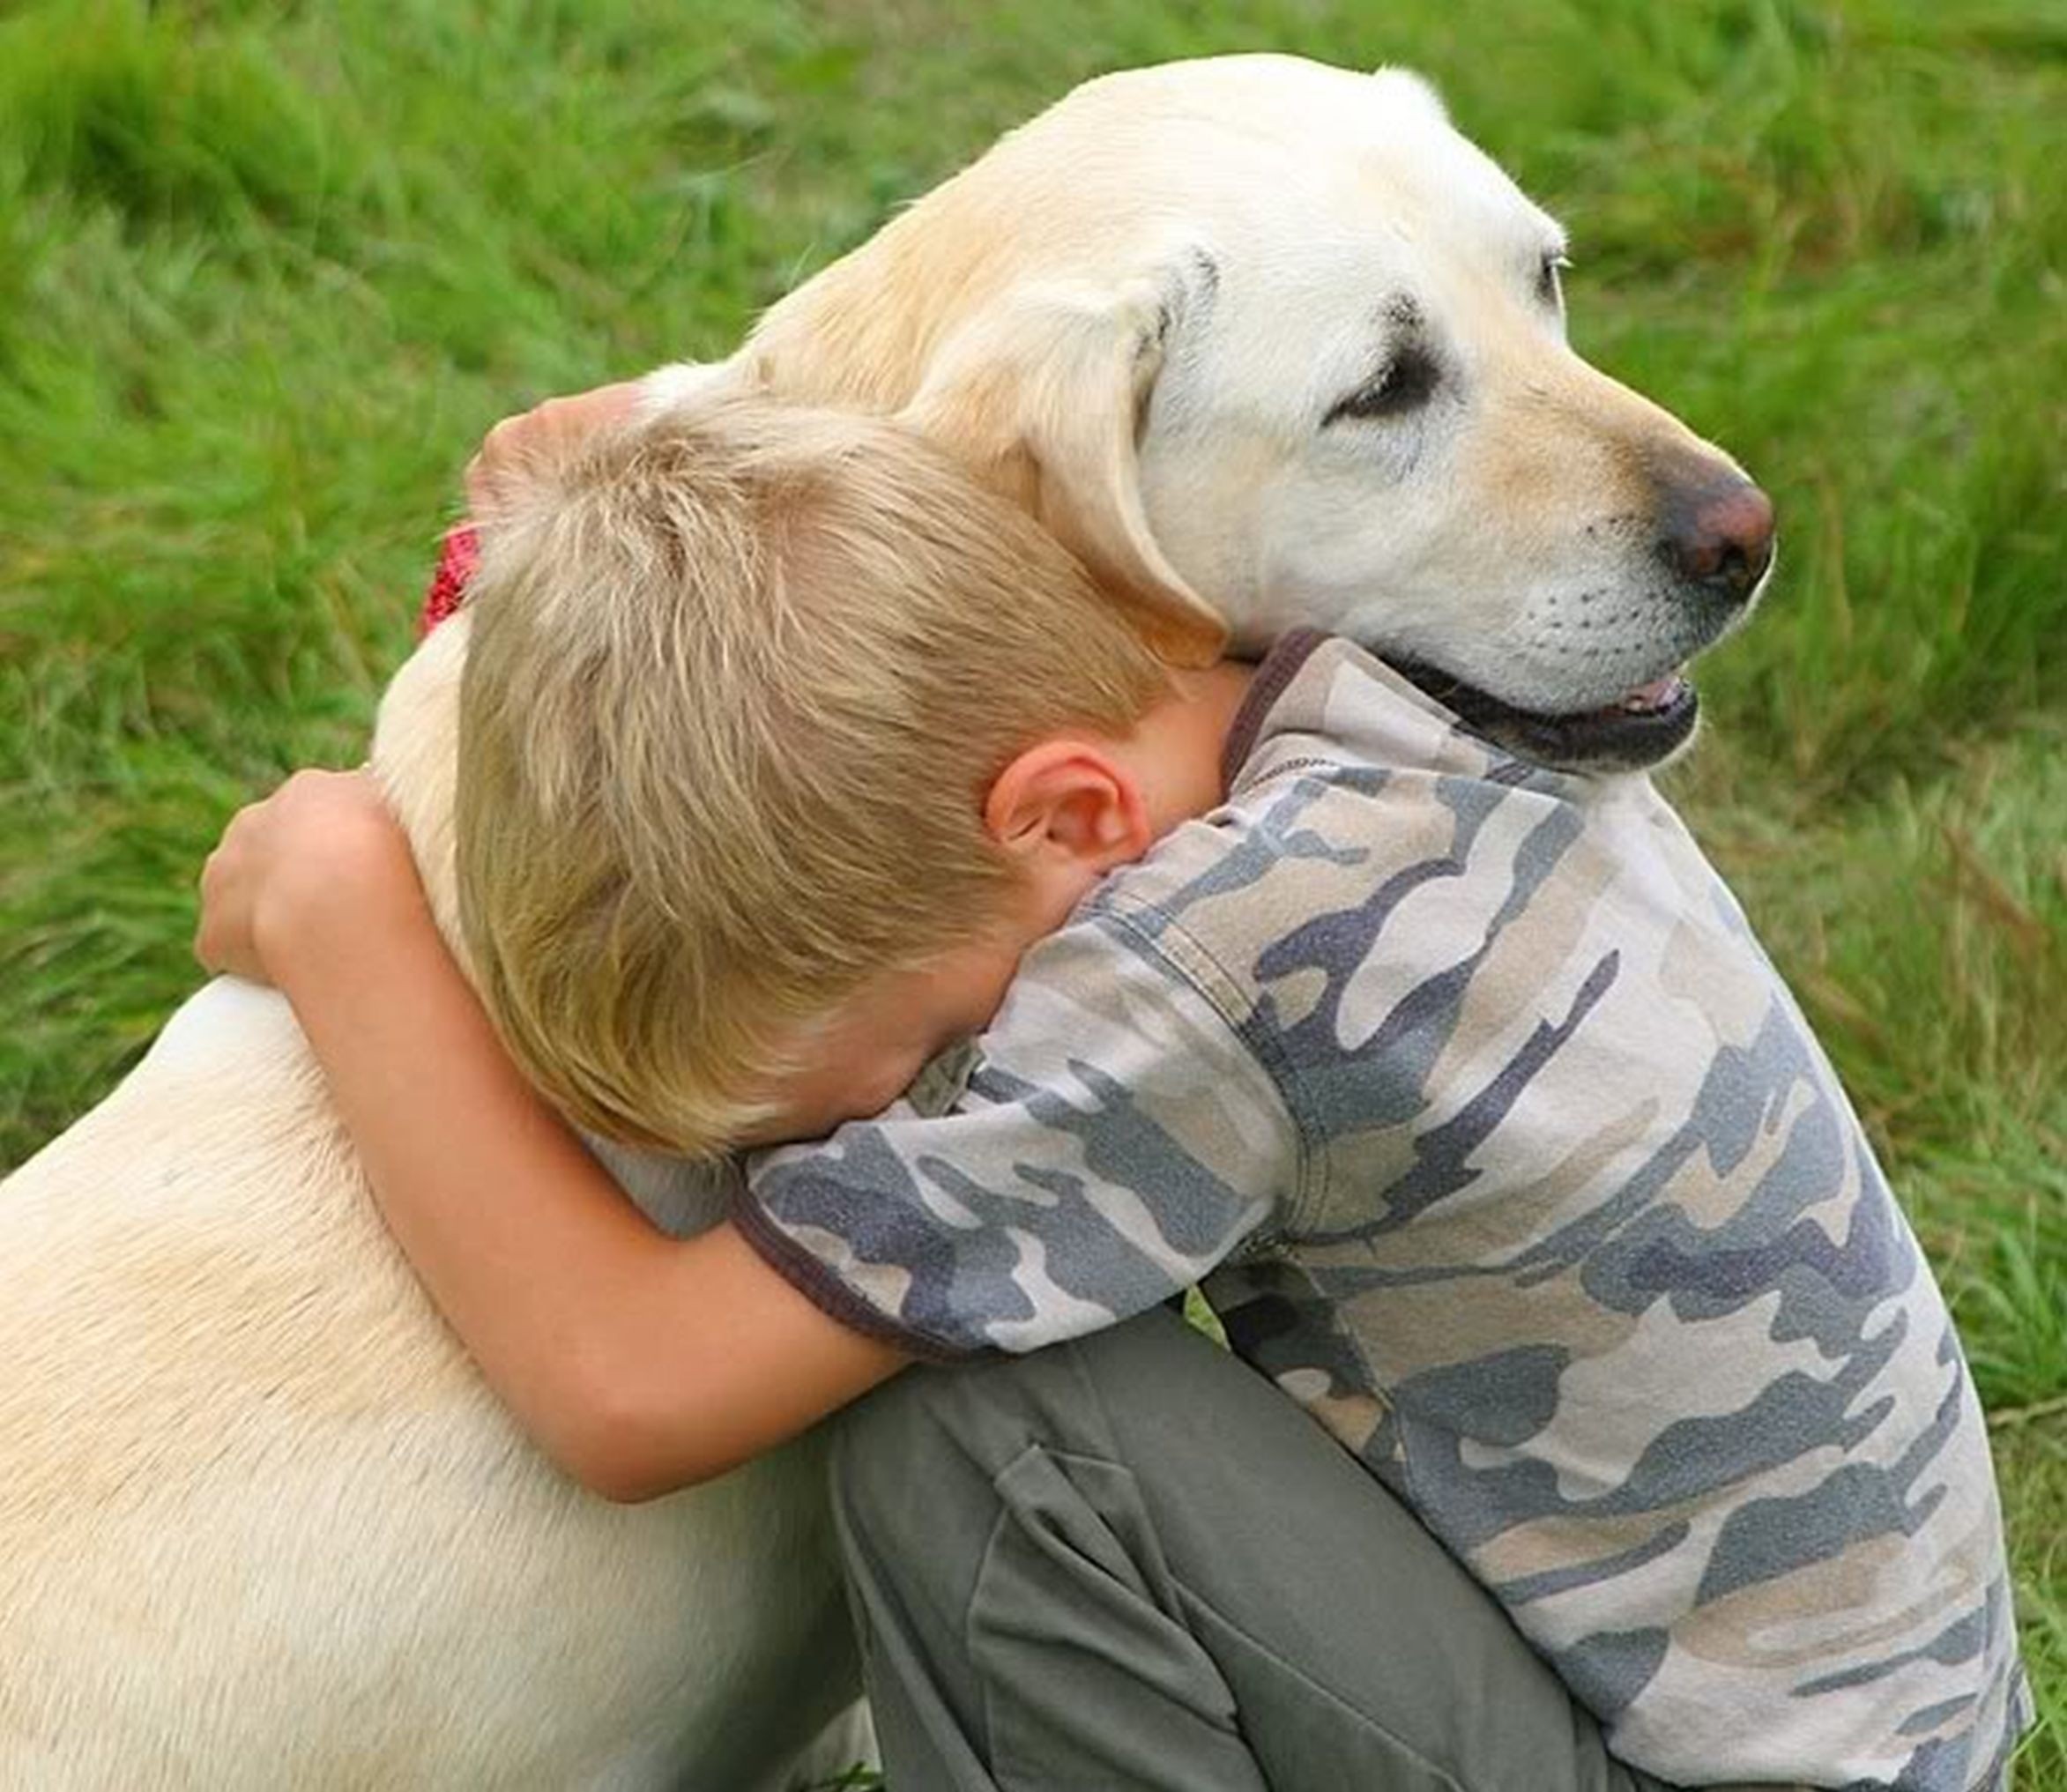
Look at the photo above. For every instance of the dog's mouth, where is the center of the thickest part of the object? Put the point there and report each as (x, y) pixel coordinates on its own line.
(1640, 728)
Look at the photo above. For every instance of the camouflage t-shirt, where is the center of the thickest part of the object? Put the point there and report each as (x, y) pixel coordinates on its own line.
(1500, 1147)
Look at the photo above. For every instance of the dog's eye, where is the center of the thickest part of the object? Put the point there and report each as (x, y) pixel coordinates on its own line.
(1549, 289)
(1408, 383)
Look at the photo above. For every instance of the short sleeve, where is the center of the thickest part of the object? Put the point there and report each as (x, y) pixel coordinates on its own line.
(1115, 1140)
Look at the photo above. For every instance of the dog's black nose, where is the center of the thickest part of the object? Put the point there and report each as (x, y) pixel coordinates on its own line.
(1719, 536)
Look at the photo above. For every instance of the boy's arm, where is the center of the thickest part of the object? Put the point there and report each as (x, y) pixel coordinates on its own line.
(638, 1362)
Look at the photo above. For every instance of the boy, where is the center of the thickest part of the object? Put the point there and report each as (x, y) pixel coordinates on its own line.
(1549, 1208)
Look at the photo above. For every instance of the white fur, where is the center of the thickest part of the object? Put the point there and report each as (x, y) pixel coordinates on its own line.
(261, 1524)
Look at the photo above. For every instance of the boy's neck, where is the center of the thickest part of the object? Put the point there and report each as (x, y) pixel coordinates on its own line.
(1175, 749)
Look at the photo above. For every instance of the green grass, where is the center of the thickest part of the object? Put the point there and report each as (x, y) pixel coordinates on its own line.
(268, 271)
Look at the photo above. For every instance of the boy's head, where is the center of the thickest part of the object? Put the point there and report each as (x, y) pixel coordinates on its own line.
(739, 687)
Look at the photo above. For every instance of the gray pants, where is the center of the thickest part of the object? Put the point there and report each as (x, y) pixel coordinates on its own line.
(1131, 1562)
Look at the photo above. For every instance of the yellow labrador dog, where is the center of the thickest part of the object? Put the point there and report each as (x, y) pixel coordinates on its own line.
(1266, 343)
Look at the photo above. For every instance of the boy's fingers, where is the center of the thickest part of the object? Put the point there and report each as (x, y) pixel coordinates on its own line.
(208, 924)
(558, 423)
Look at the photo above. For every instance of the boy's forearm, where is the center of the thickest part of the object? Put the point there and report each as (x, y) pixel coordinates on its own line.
(638, 1362)
(524, 1244)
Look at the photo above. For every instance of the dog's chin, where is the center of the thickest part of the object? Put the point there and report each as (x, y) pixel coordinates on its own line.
(1639, 730)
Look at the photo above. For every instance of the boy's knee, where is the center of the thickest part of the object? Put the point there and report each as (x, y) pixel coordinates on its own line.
(920, 1455)
(940, 1435)
(877, 1442)
(914, 1474)
(922, 1427)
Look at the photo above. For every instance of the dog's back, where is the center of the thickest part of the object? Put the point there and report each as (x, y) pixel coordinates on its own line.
(262, 1524)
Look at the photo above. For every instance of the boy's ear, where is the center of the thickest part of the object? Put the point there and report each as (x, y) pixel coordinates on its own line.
(1069, 805)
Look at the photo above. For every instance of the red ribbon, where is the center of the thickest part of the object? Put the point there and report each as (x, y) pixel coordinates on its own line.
(456, 566)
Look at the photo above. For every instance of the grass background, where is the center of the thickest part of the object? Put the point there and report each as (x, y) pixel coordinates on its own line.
(268, 271)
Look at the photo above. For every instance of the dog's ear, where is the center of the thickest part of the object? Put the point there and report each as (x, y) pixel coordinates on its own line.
(1041, 394)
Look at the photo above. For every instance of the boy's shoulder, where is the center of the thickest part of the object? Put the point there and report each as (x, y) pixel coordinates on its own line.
(1348, 791)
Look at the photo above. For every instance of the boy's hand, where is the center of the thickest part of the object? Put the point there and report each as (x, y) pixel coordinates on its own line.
(546, 432)
(318, 862)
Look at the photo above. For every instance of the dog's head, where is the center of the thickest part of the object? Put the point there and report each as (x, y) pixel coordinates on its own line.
(1269, 343)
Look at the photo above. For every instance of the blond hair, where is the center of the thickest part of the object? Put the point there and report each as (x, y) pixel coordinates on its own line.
(738, 684)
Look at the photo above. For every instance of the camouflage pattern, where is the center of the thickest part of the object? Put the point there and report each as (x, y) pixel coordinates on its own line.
(1507, 1154)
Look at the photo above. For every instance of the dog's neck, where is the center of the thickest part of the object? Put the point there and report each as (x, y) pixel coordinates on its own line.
(416, 759)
